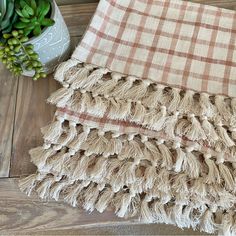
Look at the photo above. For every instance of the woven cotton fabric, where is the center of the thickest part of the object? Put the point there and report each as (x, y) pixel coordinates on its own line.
(146, 117)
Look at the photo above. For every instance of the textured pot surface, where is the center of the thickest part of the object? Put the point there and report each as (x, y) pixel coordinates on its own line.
(53, 45)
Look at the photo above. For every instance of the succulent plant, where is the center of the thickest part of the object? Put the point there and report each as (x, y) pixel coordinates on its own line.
(33, 16)
(8, 15)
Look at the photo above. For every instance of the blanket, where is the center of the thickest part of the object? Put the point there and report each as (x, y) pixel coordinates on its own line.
(146, 117)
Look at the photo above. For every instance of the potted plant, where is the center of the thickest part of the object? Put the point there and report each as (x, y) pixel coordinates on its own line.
(34, 37)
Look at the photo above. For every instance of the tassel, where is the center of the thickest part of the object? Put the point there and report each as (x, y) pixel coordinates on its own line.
(57, 188)
(123, 87)
(213, 175)
(52, 132)
(121, 207)
(81, 138)
(146, 214)
(170, 124)
(176, 214)
(86, 102)
(181, 127)
(131, 149)
(154, 98)
(39, 155)
(207, 223)
(226, 174)
(194, 130)
(206, 107)
(149, 177)
(160, 213)
(107, 86)
(74, 103)
(43, 187)
(98, 106)
(72, 132)
(90, 197)
(137, 92)
(209, 130)
(223, 108)
(63, 68)
(167, 159)
(61, 97)
(162, 182)
(192, 164)
(180, 157)
(104, 200)
(227, 225)
(72, 193)
(151, 152)
(139, 112)
(114, 147)
(176, 98)
(28, 183)
(97, 145)
(199, 187)
(187, 103)
(55, 163)
(119, 110)
(98, 171)
(155, 121)
(81, 169)
(80, 75)
(222, 132)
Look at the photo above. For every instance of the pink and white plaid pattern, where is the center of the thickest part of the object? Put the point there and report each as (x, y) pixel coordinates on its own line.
(177, 43)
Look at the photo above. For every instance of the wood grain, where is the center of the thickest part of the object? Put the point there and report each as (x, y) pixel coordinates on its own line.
(8, 89)
(21, 215)
(67, 2)
(78, 16)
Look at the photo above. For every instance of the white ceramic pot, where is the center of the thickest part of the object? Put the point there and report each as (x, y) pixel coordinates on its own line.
(53, 45)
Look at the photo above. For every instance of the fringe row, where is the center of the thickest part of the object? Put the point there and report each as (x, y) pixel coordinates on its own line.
(158, 179)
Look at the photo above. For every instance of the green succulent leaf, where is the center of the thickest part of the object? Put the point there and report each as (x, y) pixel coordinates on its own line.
(20, 25)
(47, 22)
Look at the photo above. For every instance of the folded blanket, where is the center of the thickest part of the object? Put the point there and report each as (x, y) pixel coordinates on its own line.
(146, 119)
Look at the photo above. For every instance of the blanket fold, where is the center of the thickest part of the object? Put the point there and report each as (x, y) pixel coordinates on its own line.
(146, 118)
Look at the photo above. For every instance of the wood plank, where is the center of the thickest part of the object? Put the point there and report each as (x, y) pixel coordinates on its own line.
(77, 17)
(67, 2)
(32, 113)
(21, 215)
(8, 90)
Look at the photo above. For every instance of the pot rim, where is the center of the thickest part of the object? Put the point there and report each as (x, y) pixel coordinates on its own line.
(45, 30)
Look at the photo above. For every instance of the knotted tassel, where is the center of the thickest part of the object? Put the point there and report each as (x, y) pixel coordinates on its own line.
(149, 177)
(170, 124)
(106, 87)
(176, 98)
(209, 130)
(28, 183)
(98, 171)
(70, 135)
(61, 97)
(114, 147)
(139, 112)
(98, 145)
(86, 101)
(137, 92)
(123, 87)
(226, 174)
(122, 204)
(39, 156)
(227, 226)
(199, 187)
(194, 130)
(71, 193)
(63, 68)
(81, 138)
(160, 213)
(43, 187)
(167, 159)
(119, 109)
(180, 157)
(74, 103)
(131, 149)
(187, 103)
(222, 132)
(90, 197)
(223, 108)
(207, 223)
(213, 175)
(53, 131)
(98, 106)
(104, 200)
(151, 152)
(191, 164)
(145, 212)
(206, 107)
(55, 163)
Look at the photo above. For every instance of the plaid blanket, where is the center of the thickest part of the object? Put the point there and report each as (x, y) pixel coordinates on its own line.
(146, 118)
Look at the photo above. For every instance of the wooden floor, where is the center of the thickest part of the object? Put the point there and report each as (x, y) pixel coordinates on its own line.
(23, 111)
